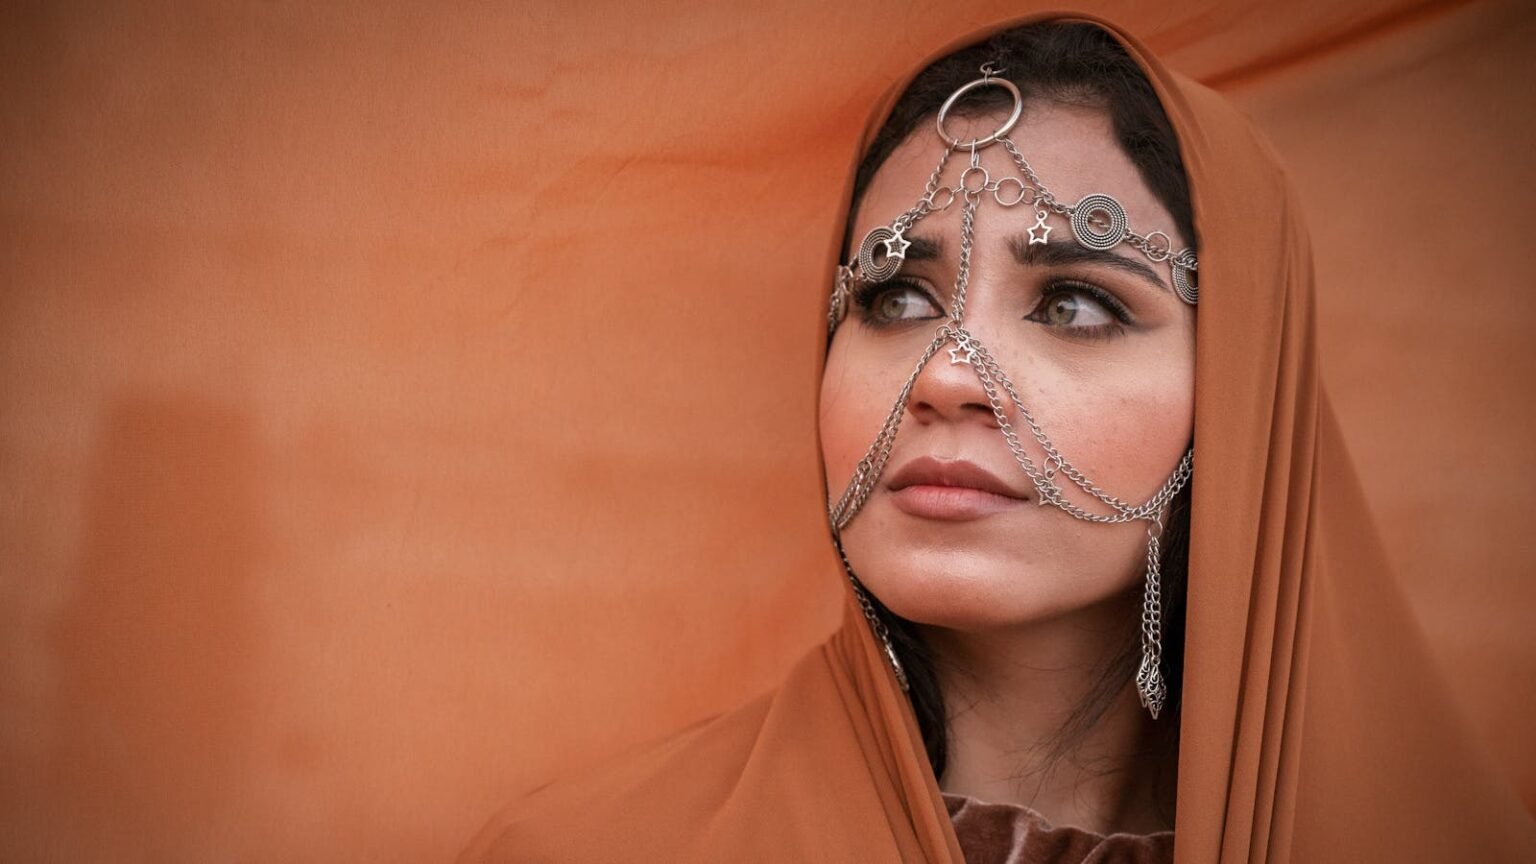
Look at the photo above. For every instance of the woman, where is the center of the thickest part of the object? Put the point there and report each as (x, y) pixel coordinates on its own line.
(1028, 638)
(1025, 621)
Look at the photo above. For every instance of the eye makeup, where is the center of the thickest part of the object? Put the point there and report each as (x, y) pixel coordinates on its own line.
(894, 303)
(1063, 301)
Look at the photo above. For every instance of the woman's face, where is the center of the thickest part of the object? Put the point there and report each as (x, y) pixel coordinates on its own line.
(1097, 344)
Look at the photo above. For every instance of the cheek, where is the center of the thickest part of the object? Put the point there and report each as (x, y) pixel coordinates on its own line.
(850, 414)
(1136, 438)
(1124, 425)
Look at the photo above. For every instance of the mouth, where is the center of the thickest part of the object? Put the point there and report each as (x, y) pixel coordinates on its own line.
(951, 490)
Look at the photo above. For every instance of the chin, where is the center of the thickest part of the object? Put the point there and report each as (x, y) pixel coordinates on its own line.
(964, 587)
(957, 591)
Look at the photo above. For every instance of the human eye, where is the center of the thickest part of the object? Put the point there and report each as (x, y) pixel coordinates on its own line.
(889, 303)
(1080, 310)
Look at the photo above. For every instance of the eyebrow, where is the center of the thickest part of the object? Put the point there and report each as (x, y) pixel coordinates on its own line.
(925, 248)
(1057, 253)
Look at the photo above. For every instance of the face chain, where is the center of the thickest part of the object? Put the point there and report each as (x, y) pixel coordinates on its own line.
(1097, 221)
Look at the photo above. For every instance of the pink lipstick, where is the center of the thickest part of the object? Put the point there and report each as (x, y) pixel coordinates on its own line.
(950, 490)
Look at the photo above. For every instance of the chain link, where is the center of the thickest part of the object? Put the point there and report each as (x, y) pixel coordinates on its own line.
(876, 623)
(1150, 685)
(869, 468)
(967, 244)
(924, 205)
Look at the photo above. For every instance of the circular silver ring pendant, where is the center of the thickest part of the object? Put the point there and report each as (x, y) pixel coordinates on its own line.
(1000, 131)
(881, 238)
(1094, 236)
(1184, 283)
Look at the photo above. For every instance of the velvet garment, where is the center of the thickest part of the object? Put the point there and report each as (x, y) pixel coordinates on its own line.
(1313, 730)
(1010, 834)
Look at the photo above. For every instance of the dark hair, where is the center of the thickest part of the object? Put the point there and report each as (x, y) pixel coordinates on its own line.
(1076, 64)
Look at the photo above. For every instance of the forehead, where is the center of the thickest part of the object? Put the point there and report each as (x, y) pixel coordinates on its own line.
(1072, 149)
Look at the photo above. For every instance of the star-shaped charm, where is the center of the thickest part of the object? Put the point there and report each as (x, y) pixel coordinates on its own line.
(1043, 230)
(962, 346)
(896, 246)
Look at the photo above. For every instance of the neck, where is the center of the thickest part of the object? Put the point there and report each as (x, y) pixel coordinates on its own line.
(1011, 694)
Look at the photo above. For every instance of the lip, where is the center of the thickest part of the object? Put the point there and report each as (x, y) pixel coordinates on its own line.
(950, 490)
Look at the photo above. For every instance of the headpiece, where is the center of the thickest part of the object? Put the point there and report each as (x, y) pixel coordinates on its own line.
(1097, 221)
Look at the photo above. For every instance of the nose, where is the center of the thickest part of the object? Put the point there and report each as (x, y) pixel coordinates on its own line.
(949, 390)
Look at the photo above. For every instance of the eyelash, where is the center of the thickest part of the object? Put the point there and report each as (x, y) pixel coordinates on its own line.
(866, 295)
(1095, 332)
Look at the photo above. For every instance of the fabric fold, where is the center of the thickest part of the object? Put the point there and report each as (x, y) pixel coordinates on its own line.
(1308, 708)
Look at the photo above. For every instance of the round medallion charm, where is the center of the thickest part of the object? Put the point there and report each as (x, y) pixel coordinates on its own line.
(1101, 209)
(881, 254)
(1185, 282)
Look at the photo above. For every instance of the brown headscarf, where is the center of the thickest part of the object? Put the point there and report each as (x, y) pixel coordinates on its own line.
(405, 404)
(1314, 728)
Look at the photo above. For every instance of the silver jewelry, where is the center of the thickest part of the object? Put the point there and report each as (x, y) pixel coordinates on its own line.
(987, 79)
(1097, 221)
(895, 252)
(1039, 233)
(876, 625)
(1149, 674)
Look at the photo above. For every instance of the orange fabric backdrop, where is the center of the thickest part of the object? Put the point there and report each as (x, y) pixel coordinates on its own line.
(305, 416)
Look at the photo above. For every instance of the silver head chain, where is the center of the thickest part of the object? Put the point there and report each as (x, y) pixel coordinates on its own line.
(1098, 222)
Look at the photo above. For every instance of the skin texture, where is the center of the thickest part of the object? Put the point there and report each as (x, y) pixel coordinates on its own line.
(1021, 604)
